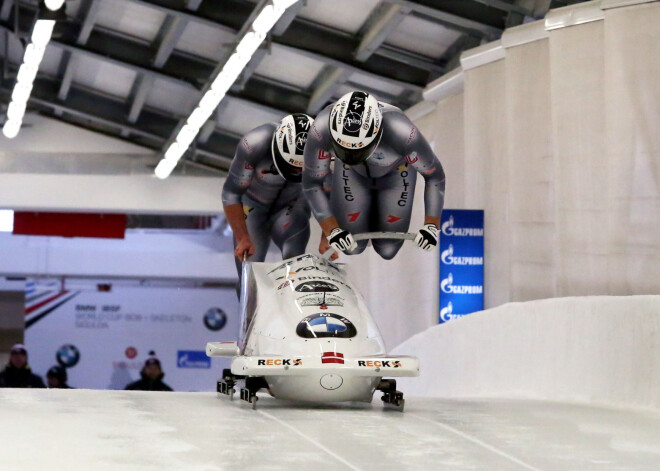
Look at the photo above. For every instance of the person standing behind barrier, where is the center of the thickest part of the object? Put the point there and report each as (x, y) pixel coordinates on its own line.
(57, 378)
(17, 373)
(151, 376)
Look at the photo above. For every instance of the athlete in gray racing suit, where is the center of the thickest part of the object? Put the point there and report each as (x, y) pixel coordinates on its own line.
(378, 150)
(262, 195)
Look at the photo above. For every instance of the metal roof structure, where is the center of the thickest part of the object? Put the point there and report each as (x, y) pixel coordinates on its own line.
(134, 69)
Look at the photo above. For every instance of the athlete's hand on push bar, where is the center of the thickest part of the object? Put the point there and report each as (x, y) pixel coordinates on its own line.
(324, 246)
(244, 248)
(427, 237)
(341, 240)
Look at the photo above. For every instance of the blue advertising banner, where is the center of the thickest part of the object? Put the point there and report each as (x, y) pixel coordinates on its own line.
(461, 263)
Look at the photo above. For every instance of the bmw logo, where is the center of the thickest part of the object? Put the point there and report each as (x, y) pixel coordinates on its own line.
(215, 319)
(68, 355)
(325, 325)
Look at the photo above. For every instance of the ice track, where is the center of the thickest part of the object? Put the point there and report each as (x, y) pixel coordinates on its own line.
(121, 430)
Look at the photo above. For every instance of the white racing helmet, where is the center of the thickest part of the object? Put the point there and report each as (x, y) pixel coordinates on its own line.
(288, 145)
(356, 126)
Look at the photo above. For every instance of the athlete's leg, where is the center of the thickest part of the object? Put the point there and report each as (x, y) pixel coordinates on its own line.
(393, 201)
(290, 230)
(350, 201)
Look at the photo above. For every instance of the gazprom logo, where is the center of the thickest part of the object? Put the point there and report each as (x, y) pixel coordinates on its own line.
(446, 313)
(448, 229)
(447, 286)
(448, 258)
(192, 359)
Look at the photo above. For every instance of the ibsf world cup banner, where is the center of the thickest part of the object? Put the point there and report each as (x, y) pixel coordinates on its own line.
(103, 337)
(461, 263)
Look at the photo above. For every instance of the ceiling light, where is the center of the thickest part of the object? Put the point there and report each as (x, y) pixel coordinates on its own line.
(21, 92)
(248, 45)
(16, 110)
(43, 30)
(54, 4)
(11, 128)
(164, 168)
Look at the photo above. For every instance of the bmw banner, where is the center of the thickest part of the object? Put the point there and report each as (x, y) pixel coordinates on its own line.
(461, 263)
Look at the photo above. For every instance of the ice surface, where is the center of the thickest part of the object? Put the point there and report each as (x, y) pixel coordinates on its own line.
(129, 430)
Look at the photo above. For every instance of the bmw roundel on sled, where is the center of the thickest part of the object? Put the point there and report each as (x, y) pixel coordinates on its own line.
(306, 335)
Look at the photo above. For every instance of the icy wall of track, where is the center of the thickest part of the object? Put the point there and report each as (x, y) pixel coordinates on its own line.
(600, 349)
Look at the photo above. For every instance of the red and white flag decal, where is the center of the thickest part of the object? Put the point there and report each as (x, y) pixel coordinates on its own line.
(332, 357)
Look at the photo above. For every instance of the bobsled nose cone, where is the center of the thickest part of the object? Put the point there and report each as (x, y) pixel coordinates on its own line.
(331, 381)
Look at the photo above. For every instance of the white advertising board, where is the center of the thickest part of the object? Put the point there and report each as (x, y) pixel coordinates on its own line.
(104, 337)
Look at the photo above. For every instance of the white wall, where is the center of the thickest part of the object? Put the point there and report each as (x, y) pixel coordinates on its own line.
(600, 349)
(142, 254)
(40, 134)
(558, 125)
(52, 166)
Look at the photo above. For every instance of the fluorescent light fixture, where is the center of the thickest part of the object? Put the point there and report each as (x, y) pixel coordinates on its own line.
(165, 167)
(16, 110)
(43, 30)
(54, 5)
(250, 42)
(11, 128)
(34, 53)
(199, 116)
(21, 92)
(6, 220)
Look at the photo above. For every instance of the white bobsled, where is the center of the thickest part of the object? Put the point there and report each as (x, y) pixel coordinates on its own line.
(307, 335)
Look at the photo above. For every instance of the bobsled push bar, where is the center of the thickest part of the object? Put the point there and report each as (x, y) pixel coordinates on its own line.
(375, 235)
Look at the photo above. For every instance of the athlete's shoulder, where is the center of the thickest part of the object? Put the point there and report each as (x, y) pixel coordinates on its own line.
(386, 108)
(320, 127)
(395, 122)
(258, 139)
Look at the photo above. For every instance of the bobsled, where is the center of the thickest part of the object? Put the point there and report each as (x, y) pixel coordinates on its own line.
(307, 335)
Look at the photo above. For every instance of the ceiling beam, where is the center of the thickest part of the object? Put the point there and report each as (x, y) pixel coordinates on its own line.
(452, 21)
(107, 112)
(5, 12)
(172, 31)
(415, 60)
(89, 11)
(377, 28)
(304, 37)
(193, 4)
(508, 7)
(144, 83)
(330, 80)
(70, 64)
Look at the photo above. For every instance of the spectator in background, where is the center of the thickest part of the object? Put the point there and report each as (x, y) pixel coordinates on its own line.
(56, 378)
(152, 376)
(17, 373)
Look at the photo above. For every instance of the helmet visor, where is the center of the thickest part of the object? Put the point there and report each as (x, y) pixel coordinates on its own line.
(356, 156)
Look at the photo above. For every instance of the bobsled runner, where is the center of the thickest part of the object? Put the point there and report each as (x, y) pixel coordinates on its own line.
(307, 335)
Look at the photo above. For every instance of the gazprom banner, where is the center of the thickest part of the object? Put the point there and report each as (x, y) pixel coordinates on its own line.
(461, 263)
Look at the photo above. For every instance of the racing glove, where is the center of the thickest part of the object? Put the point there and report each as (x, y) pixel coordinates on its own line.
(341, 240)
(427, 237)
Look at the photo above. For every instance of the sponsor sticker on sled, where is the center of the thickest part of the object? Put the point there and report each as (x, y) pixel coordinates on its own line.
(380, 363)
(280, 362)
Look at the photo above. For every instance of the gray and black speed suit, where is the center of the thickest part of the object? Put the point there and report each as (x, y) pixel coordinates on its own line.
(376, 195)
(274, 208)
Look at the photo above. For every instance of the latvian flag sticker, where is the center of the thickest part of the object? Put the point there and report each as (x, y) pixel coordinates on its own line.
(332, 357)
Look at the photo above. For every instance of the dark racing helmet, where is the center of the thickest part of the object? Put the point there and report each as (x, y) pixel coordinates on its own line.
(356, 126)
(288, 145)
